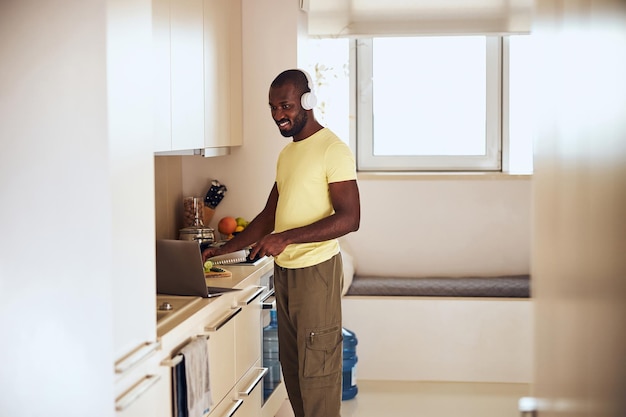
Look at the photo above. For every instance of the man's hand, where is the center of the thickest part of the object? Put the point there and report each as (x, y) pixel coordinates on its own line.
(271, 245)
(209, 253)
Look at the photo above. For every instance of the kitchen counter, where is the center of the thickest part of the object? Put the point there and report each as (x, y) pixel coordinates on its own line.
(185, 308)
(232, 325)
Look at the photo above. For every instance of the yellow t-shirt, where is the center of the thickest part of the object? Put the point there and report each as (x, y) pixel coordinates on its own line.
(303, 172)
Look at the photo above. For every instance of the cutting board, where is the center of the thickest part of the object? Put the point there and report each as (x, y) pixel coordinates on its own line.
(225, 274)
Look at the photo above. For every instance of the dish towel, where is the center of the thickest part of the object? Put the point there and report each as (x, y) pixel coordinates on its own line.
(179, 390)
(196, 359)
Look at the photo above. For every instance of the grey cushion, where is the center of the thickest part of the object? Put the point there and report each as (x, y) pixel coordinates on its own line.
(517, 286)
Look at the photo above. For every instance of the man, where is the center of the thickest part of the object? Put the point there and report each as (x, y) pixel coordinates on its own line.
(314, 200)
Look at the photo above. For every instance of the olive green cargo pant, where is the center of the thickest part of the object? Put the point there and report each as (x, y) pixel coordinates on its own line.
(308, 304)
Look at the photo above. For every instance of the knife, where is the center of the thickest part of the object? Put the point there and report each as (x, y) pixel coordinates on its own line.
(230, 258)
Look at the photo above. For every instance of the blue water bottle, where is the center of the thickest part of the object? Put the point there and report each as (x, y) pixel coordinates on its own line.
(349, 388)
(270, 356)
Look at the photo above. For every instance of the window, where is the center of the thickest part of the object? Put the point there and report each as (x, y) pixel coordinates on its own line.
(428, 103)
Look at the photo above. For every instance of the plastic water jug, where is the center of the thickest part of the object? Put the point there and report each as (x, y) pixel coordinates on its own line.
(270, 356)
(349, 387)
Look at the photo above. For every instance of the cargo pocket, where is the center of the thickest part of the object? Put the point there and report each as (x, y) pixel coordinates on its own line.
(323, 352)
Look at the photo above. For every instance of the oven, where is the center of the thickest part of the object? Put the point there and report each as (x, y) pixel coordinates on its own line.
(273, 379)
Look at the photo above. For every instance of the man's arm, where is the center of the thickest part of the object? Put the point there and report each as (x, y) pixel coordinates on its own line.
(261, 225)
(345, 198)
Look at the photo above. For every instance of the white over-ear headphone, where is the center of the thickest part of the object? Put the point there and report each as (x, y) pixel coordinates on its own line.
(308, 99)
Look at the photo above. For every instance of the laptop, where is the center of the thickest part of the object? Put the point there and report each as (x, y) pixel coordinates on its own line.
(179, 270)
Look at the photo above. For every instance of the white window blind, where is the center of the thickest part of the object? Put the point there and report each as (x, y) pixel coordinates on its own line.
(353, 18)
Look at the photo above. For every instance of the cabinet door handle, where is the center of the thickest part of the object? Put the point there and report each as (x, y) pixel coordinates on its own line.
(234, 408)
(254, 295)
(223, 321)
(172, 362)
(126, 399)
(255, 382)
(136, 356)
(179, 358)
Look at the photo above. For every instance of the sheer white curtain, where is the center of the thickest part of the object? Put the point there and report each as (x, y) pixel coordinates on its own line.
(352, 18)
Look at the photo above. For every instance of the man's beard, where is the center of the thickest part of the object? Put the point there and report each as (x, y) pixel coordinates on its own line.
(297, 125)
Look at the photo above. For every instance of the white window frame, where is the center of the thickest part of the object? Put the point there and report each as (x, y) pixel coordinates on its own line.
(367, 161)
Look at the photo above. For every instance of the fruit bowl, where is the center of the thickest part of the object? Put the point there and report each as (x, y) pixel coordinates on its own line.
(229, 226)
(224, 237)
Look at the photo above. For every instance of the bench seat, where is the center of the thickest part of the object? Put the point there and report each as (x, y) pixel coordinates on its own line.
(513, 286)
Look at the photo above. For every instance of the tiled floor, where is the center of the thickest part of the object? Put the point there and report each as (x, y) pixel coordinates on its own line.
(433, 399)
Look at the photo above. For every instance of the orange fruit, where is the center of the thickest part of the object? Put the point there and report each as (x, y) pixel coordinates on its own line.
(227, 225)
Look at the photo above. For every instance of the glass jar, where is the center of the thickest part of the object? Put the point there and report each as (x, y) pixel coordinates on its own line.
(192, 212)
(193, 225)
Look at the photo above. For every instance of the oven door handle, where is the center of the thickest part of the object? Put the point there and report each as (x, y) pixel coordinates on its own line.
(269, 305)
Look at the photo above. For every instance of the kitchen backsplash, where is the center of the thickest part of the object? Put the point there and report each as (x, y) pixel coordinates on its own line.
(168, 196)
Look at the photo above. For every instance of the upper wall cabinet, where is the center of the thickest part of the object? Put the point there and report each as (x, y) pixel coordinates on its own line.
(223, 73)
(198, 74)
(161, 73)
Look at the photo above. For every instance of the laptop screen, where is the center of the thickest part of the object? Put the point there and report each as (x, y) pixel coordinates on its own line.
(179, 269)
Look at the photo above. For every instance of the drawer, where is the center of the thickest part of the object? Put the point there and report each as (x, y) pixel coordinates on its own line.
(244, 400)
(221, 339)
(218, 330)
(149, 395)
(248, 336)
(251, 392)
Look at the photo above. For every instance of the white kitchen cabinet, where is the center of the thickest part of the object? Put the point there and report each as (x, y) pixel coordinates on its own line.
(231, 325)
(212, 320)
(131, 162)
(245, 397)
(248, 329)
(221, 331)
(162, 93)
(148, 392)
(223, 78)
(242, 370)
(250, 390)
(198, 75)
(187, 82)
(234, 335)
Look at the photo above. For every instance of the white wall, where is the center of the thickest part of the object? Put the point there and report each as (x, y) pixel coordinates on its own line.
(442, 339)
(419, 225)
(443, 226)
